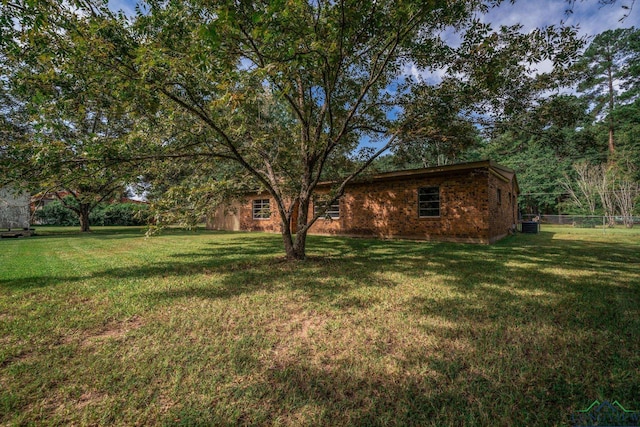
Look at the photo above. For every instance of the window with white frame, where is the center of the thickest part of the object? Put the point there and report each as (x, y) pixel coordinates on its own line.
(333, 211)
(261, 209)
(429, 202)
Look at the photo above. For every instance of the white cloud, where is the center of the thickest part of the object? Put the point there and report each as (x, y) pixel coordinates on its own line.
(591, 17)
(531, 14)
(597, 18)
(427, 76)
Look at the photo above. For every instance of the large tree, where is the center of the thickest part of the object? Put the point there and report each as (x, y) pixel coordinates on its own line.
(77, 136)
(73, 124)
(285, 89)
(542, 144)
(611, 74)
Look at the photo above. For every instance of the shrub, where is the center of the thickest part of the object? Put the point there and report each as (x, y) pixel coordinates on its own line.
(55, 213)
(120, 214)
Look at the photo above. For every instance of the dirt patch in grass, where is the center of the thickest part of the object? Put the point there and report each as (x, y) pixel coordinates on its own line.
(89, 398)
(294, 332)
(22, 357)
(116, 330)
(306, 324)
(6, 317)
(165, 403)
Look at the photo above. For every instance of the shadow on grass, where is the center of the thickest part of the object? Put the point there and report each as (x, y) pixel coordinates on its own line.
(35, 282)
(343, 397)
(536, 301)
(523, 278)
(530, 328)
(248, 261)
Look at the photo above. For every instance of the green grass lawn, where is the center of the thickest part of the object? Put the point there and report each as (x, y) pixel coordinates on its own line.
(215, 329)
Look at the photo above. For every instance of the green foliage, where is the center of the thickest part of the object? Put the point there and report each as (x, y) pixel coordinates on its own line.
(541, 145)
(540, 171)
(284, 90)
(611, 61)
(124, 214)
(75, 122)
(436, 130)
(613, 55)
(543, 141)
(627, 118)
(55, 213)
(113, 214)
(183, 192)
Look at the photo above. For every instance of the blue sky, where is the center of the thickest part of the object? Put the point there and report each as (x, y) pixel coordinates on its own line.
(591, 17)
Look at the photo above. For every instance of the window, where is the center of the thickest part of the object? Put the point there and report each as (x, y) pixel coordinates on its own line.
(499, 196)
(261, 209)
(429, 202)
(332, 212)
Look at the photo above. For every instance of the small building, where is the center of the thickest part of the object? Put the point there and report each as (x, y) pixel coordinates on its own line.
(469, 202)
(14, 209)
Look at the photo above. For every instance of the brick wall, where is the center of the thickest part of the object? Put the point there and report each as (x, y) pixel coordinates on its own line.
(469, 208)
(272, 224)
(390, 209)
(503, 207)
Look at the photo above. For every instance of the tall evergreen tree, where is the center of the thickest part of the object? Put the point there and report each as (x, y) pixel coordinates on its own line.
(611, 74)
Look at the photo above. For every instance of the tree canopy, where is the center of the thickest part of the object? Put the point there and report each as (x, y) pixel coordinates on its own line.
(566, 142)
(76, 122)
(610, 74)
(283, 91)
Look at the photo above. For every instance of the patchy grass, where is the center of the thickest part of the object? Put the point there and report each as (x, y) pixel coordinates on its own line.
(214, 329)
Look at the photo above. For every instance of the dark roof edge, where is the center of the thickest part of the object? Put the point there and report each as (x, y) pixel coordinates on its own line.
(489, 164)
(501, 167)
(504, 172)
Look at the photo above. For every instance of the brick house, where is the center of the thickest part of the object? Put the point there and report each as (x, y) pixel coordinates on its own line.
(469, 202)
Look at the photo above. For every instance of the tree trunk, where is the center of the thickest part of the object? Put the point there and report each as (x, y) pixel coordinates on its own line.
(612, 147)
(287, 239)
(295, 248)
(303, 219)
(300, 245)
(83, 214)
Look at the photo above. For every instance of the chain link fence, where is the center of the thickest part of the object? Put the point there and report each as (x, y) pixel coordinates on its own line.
(583, 221)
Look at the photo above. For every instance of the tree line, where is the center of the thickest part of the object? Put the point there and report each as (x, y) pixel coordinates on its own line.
(576, 151)
(196, 102)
